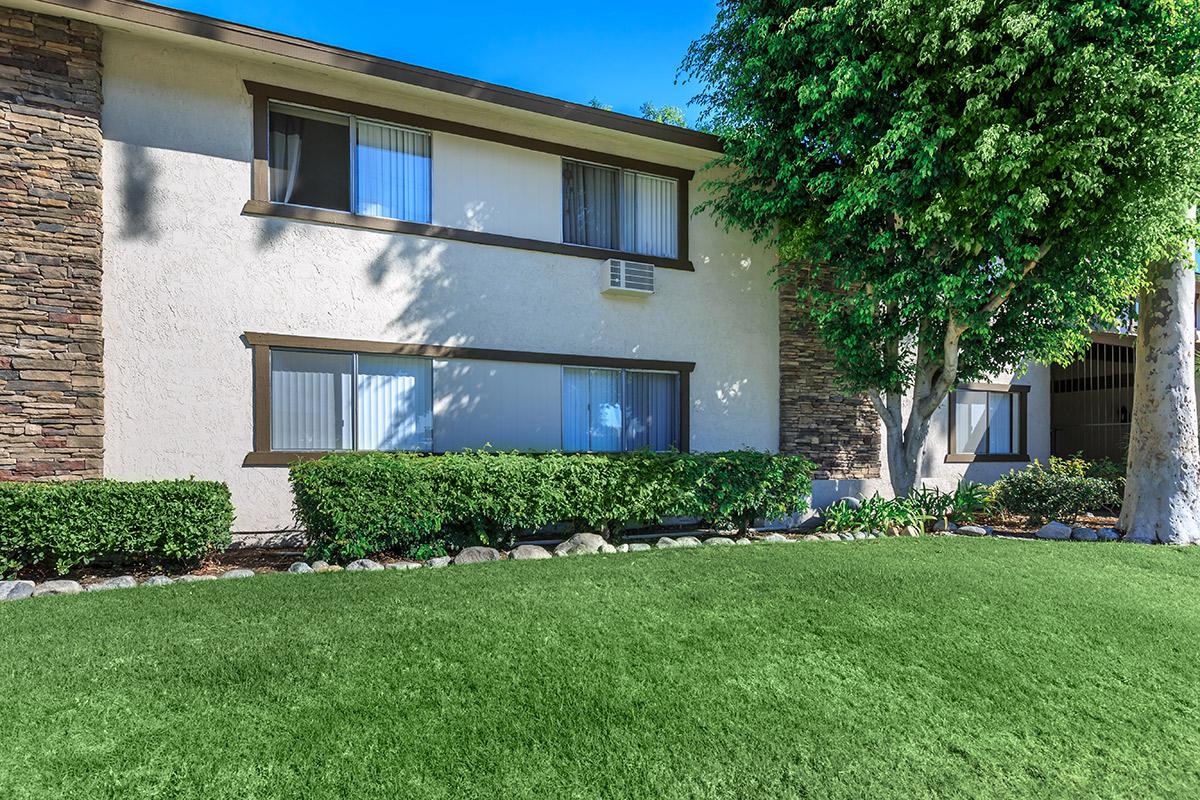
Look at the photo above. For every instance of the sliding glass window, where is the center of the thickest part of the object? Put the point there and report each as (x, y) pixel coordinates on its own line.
(343, 163)
(620, 209)
(609, 410)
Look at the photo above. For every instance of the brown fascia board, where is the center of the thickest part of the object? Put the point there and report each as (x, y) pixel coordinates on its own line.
(278, 44)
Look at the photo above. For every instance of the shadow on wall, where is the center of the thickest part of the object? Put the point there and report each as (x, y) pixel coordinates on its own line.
(137, 188)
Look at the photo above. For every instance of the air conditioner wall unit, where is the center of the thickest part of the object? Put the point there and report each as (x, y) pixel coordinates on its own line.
(622, 277)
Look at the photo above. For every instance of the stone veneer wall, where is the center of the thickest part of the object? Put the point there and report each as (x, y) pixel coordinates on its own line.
(840, 433)
(51, 346)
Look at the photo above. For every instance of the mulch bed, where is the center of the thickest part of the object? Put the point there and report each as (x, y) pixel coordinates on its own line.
(260, 560)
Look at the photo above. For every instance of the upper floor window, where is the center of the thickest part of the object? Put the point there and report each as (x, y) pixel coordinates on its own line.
(345, 163)
(620, 209)
(987, 422)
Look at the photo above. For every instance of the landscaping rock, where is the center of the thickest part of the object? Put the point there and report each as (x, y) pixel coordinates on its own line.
(911, 530)
(664, 543)
(687, 541)
(15, 590)
(195, 578)
(1108, 535)
(581, 544)
(320, 566)
(606, 548)
(829, 537)
(50, 588)
(859, 535)
(638, 547)
(363, 565)
(1054, 530)
(123, 582)
(622, 548)
(402, 565)
(775, 537)
(810, 537)
(846, 537)
(158, 580)
(477, 555)
(971, 530)
(234, 574)
(300, 568)
(721, 541)
(440, 561)
(529, 552)
(743, 540)
(1084, 535)
(851, 502)
(944, 525)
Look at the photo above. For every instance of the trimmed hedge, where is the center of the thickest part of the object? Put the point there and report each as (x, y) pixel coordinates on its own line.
(1041, 494)
(62, 525)
(356, 504)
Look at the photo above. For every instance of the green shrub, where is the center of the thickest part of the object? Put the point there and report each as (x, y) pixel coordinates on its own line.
(874, 514)
(962, 506)
(61, 525)
(355, 504)
(1104, 468)
(1041, 494)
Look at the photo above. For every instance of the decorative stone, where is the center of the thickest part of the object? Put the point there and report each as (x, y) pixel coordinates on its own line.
(744, 540)
(580, 544)
(846, 537)
(363, 565)
(810, 537)
(720, 541)
(775, 537)
(320, 566)
(476, 555)
(15, 590)
(665, 543)
(911, 530)
(439, 561)
(195, 578)
(50, 588)
(234, 574)
(529, 552)
(158, 580)
(622, 548)
(859, 535)
(851, 502)
(606, 548)
(638, 547)
(1054, 530)
(402, 565)
(1108, 535)
(687, 541)
(972, 530)
(943, 525)
(829, 537)
(300, 568)
(1084, 535)
(123, 582)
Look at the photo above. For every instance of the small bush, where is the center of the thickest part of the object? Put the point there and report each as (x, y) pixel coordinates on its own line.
(873, 515)
(62, 525)
(1104, 469)
(356, 504)
(1041, 494)
(963, 506)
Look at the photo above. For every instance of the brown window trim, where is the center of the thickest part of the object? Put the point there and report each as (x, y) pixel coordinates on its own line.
(952, 435)
(260, 198)
(323, 216)
(261, 343)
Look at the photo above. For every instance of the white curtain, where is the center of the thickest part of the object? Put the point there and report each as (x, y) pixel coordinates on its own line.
(395, 403)
(649, 215)
(575, 438)
(591, 410)
(590, 207)
(392, 174)
(311, 400)
(651, 410)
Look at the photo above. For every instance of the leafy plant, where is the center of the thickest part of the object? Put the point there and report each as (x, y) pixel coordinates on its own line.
(1040, 494)
(874, 514)
(62, 525)
(1104, 469)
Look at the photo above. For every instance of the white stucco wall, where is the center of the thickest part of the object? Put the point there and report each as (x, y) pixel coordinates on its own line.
(186, 273)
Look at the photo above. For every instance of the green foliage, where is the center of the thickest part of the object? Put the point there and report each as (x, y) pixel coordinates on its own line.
(595, 103)
(1104, 469)
(62, 525)
(874, 515)
(667, 115)
(978, 180)
(353, 505)
(1041, 494)
(962, 506)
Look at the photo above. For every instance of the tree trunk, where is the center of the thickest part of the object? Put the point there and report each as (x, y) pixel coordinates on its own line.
(1162, 487)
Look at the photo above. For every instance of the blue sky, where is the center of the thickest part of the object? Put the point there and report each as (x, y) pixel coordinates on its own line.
(620, 51)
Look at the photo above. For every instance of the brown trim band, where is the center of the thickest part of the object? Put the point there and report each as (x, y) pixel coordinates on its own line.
(261, 208)
(1021, 392)
(278, 44)
(261, 344)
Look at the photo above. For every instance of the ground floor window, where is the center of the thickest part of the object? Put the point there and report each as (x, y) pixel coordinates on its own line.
(607, 410)
(987, 422)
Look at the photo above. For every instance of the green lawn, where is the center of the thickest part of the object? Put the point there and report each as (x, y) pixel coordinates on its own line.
(890, 668)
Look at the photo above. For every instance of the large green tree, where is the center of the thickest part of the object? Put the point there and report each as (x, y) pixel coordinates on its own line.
(958, 186)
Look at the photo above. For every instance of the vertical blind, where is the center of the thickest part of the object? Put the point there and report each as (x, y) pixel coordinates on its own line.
(392, 172)
(985, 422)
(395, 403)
(620, 209)
(311, 400)
(606, 410)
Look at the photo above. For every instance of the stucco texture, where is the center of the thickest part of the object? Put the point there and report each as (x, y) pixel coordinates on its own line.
(186, 273)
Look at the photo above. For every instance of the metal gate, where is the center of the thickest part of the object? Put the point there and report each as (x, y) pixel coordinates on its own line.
(1090, 402)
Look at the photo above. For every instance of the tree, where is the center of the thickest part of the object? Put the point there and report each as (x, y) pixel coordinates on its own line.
(957, 187)
(595, 103)
(667, 115)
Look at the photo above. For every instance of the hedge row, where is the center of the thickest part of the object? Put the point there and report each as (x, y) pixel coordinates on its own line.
(62, 525)
(353, 505)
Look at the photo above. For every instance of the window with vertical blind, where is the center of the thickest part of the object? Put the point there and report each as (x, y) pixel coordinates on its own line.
(987, 422)
(620, 209)
(609, 410)
(341, 162)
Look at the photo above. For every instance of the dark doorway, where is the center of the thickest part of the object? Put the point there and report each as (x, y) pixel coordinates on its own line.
(1090, 402)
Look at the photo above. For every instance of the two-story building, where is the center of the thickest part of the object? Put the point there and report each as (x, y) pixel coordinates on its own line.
(223, 249)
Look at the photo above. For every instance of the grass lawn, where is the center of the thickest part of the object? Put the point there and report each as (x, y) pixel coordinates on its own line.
(891, 668)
